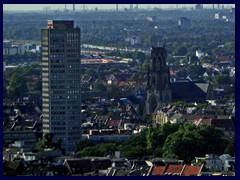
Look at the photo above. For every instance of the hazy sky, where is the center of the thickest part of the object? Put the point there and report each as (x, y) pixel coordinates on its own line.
(27, 7)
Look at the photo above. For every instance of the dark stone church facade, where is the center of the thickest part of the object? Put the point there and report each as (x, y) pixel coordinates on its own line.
(160, 91)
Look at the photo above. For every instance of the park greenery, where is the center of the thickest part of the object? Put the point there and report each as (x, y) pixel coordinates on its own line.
(18, 82)
(173, 141)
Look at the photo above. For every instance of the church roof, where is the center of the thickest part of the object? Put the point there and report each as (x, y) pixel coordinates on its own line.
(189, 91)
(203, 86)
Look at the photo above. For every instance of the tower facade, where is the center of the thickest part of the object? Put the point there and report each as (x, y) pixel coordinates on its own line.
(158, 84)
(61, 82)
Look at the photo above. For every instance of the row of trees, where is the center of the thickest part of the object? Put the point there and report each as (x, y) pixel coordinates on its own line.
(175, 141)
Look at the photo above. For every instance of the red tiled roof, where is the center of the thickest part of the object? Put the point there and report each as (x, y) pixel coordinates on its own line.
(173, 72)
(113, 122)
(159, 171)
(218, 123)
(174, 169)
(80, 165)
(191, 170)
(191, 117)
(123, 83)
(204, 121)
(224, 58)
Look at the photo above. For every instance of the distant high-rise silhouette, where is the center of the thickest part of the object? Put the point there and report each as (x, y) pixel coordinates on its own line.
(73, 7)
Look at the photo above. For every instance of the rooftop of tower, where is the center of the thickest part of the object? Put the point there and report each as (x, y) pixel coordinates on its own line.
(60, 24)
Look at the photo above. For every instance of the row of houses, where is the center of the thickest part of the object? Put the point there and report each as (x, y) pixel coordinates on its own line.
(18, 49)
(225, 120)
(210, 165)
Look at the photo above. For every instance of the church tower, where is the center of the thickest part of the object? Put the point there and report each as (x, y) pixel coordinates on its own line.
(158, 83)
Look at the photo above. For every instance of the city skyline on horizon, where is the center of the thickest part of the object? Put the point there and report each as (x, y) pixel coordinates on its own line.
(79, 7)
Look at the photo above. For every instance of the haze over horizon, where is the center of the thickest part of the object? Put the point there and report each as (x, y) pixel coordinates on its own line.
(78, 7)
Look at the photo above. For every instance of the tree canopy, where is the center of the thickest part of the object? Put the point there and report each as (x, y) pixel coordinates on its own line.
(47, 142)
(178, 141)
(221, 79)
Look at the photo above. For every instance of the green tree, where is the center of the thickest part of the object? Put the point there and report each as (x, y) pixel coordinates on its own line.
(113, 70)
(207, 59)
(181, 51)
(17, 85)
(230, 148)
(90, 151)
(139, 55)
(18, 80)
(183, 145)
(90, 71)
(113, 88)
(190, 141)
(229, 47)
(146, 118)
(156, 137)
(196, 70)
(214, 139)
(104, 149)
(135, 146)
(134, 77)
(82, 144)
(114, 53)
(100, 87)
(47, 142)
(170, 59)
(126, 54)
(221, 79)
(208, 79)
(135, 152)
(145, 65)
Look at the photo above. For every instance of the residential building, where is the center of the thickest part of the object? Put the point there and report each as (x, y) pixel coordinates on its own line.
(152, 18)
(224, 122)
(184, 22)
(61, 81)
(199, 54)
(212, 162)
(12, 49)
(133, 40)
(228, 162)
